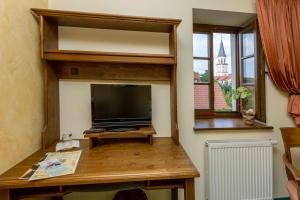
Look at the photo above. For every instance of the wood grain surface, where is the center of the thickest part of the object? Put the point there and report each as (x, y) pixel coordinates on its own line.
(113, 163)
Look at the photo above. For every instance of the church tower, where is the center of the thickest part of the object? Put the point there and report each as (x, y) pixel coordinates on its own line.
(222, 66)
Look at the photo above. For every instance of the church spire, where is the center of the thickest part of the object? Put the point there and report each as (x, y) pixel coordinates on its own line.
(222, 64)
(221, 50)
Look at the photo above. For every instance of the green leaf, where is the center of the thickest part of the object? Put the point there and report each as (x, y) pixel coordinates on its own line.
(241, 93)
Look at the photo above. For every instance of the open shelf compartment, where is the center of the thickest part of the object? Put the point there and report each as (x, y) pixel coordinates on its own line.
(50, 20)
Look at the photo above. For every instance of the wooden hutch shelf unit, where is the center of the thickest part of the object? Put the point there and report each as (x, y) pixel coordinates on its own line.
(91, 65)
(163, 165)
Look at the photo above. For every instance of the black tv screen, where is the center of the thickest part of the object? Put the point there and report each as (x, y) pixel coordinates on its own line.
(119, 103)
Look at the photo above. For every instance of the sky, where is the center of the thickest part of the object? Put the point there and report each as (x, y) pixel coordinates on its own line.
(200, 49)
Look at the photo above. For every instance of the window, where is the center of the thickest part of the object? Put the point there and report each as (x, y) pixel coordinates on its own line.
(224, 59)
(252, 69)
(202, 70)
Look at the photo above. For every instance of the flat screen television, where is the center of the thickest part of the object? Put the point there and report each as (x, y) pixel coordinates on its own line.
(115, 105)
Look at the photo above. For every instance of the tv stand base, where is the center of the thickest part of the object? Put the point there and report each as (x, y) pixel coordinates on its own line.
(143, 134)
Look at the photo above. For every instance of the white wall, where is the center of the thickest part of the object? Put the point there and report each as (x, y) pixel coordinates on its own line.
(194, 142)
(75, 107)
(88, 39)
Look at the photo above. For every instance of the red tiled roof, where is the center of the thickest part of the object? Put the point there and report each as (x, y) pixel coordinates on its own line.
(220, 102)
(201, 97)
(202, 100)
(223, 78)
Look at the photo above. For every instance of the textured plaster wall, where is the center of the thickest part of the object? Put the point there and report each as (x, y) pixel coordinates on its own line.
(21, 82)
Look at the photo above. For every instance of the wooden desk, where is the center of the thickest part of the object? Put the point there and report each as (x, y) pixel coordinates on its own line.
(159, 166)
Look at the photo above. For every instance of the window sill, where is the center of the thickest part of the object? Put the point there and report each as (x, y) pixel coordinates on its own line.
(227, 124)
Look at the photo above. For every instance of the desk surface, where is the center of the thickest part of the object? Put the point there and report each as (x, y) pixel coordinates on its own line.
(111, 163)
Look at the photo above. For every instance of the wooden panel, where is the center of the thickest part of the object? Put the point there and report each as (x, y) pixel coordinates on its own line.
(142, 132)
(106, 21)
(50, 35)
(173, 87)
(173, 42)
(211, 96)
(4, 195)
(199, 28)
(107, 57)
(174, 194)
(189, 189)
(57, 198)
(227, 124)
(204, 114)
(113, 163)
(58, 195)
(34, 193)
(109, 71)
(174, 122)
(291, 138)
(261, 88)
(42, 38)
(165, 184)
(51, 132)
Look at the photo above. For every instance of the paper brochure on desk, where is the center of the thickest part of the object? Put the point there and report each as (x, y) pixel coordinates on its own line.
(66, 145)
(54, 164)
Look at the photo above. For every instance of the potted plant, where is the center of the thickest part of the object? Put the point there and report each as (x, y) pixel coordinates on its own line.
(242, 93)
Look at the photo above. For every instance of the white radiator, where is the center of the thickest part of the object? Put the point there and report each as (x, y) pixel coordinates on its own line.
(240, 169)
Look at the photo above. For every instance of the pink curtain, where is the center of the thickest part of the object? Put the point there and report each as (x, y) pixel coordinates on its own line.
(279, 22)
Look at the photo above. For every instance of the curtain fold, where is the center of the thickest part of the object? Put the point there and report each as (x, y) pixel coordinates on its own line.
(279, 23)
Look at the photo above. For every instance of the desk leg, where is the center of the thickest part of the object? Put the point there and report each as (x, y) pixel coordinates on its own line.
(174, 193)
(4, 195)
(189, 189)
(93, 142)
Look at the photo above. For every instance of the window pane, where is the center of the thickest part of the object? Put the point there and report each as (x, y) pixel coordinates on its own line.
(201, 45)
(201, 71)
(224, 71)
(201, 96)
(248, 67)
(250, 101)
(248, 44)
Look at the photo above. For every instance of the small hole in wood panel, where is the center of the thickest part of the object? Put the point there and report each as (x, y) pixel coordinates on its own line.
(74, 71)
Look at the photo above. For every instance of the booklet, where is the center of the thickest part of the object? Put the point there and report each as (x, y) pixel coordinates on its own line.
(52, 165)
(67, 145)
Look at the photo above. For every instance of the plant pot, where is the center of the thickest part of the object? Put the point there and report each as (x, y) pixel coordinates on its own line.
(248, 118)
